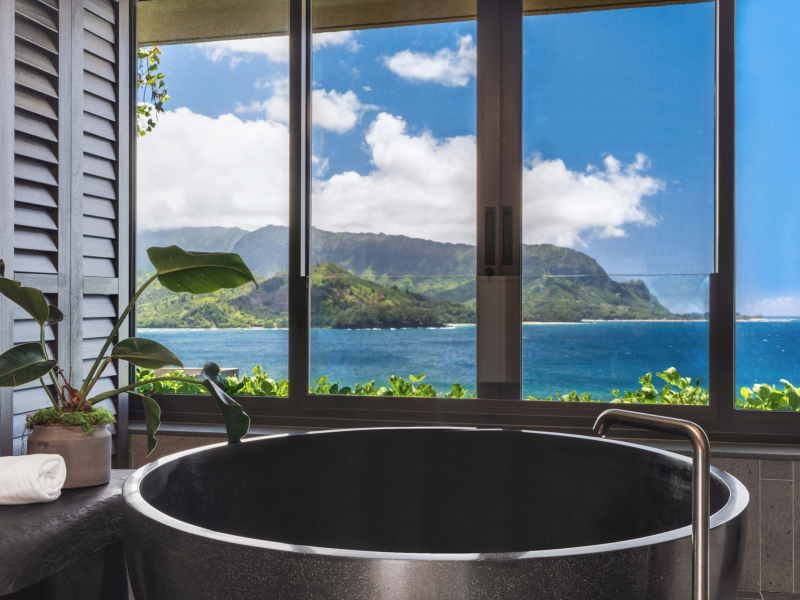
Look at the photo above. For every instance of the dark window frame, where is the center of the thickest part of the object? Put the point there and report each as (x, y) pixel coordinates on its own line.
(304, 410)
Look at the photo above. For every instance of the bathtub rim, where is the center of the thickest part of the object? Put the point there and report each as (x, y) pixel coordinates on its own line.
(738, 501)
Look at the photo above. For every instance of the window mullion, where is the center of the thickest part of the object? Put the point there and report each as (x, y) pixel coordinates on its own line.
(722, 311)
(499, 289)
(299, 194)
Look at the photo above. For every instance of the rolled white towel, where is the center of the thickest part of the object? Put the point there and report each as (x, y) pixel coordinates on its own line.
(31, 478)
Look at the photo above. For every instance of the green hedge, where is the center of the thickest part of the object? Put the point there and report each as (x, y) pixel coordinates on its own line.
(676, 390)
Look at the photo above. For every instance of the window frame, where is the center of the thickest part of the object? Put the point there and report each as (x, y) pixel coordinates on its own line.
(302, 409)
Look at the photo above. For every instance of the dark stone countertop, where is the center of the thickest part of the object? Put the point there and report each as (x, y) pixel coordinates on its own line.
(38, 540)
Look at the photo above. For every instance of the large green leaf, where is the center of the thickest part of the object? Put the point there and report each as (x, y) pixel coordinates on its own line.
(22, 364)
(237, 423)
(211, 372)
(152, 419)
(53, 315)
(198, 272)
(30, 299)
(145, 353)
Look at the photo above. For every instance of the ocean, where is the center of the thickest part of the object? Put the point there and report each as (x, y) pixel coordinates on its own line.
(586, 357)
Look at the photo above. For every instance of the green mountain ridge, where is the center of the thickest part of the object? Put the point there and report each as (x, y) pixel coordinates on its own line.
(364, 280)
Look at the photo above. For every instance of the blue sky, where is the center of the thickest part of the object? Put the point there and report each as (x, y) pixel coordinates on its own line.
(767, 175)
(617, 137)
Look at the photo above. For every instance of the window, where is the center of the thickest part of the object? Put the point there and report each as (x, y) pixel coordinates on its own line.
(593, 150)
(767, 211)
(393, 206)
(618, 198)
(213, 176)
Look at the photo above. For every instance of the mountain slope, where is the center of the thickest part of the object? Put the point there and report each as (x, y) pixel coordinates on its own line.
(198, 239)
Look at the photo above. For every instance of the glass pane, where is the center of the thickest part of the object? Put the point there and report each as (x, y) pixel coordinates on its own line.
(618, 199)
(767, 212)
(213, 176)
(393, 200)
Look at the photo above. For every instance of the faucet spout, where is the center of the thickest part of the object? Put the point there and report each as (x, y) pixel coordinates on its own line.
(701, 481)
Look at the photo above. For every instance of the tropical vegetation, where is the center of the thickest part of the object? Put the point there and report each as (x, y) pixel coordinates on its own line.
(677, 390)
(73, 403)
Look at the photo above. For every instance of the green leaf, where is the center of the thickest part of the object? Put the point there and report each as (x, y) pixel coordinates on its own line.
(237, 423)
(22, 364)
(145, 353)
(2, 268)
(198, 272)
(53, 315)
(152, 419)
(211, 373)
(30, 299)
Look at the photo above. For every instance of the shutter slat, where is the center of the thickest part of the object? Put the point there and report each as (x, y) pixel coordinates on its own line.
(33, 148)
(98, 66)
(99, 167)
(98, 147)
(31, 399)
(111, 370)
(29, 331)
(40, 219)
(36, 57)
(34, 80)
(36, 12)
(102, 188)
(34, 125)
(99, 127)
(95, 44)
(34, 194)
(98, 106)
(99, 27)
(98, 267)
(34, 103)
(99, 86)
(51, 3)
(39, 36)
(91, 349)
(97, 328)
(98, 228)
(108, 403)
(33, 263)
(35, 241)
(102, 8)
(98, 247)
(98, 306)
(95, 207)
(32, 170)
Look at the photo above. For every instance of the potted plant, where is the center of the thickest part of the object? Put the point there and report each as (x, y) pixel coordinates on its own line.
(74, 426)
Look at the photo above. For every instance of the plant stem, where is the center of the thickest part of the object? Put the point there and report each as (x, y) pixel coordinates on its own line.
(96, 379)
(46, 357)
(132, 386)
(49, 395)
(122, 318)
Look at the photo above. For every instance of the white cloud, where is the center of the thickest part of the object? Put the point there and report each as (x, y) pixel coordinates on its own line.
(447, 67)
(773, 307)
(565, 207)
(199, 171)
(420, 187)
(274, 49)
(331, 110)
(335, 38)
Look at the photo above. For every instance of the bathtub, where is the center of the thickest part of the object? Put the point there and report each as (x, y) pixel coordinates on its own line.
(425, 513)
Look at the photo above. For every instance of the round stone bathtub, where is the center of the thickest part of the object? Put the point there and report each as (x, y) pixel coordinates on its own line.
(425, 513)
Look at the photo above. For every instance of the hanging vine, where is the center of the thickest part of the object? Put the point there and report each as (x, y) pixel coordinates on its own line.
(149, 79)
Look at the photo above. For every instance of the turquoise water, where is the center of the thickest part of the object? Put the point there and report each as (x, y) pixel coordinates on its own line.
(592, 357)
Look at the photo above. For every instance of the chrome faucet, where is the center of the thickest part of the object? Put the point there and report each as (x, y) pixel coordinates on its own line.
(701, 481)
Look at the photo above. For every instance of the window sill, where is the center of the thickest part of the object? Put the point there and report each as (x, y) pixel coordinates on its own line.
(718, 449)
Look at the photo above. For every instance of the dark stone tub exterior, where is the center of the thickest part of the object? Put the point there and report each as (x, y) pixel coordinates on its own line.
(425, 513)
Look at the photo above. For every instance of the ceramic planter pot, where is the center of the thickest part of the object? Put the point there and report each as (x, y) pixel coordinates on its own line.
(88, 457)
